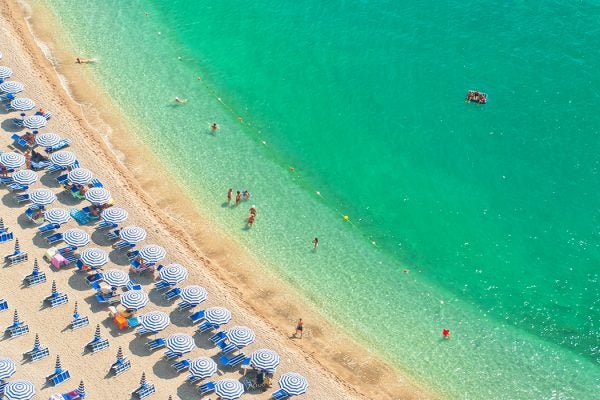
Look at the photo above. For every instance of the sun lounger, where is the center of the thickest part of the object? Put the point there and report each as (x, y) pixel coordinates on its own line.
(206, 388)
(40, 165)
(206, 326)
(60, 145)
(172, 354)
(4, 180)
(6, 236)
(16, 257)
(156, 344)
(184, 305)
(79, 322)
(37, 352)
(80, 216)
(197, 316)
(94, 277)
(218, 337)
(181, 365)
(57, 299)
(58, 377)
(113, 235)
(6, 96)
(280, 395)
(54, 238)
(16, 330)
(133, 286)
(98, 344)
(16, 187)
(48, 228)
(96, 183)
(22, 198)
(173, 293)
(144, 391)
(162, 284)
(226, 347)
(106, 224)
(19, 142)
(3, 305)
(123, 244)
(120, 366)
(35, 278)
(107, 299)
(72, 395)
(233, 360)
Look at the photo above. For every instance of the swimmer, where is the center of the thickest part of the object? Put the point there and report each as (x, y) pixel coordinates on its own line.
(446, 333)
(178, 100)
(229, 195)
(246, 195)
(315, 242)
(238, 197)
(214, 126)
(79, 60)
(251, 219)
(253, 210)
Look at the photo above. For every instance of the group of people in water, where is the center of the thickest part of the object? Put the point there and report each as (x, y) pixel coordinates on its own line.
(476, 96)
(239, 197)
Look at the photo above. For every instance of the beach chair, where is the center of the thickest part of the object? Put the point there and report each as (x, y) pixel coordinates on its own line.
(96, 183)
(6, 236)
(123, 244)
(3, 305)
(17, 256)
(156, 344)
(60, 145)
(132, 255)
(172, 354)
(37, 352)
(19, 142)
(6, 96)
(55, 168)
(62, 179)
(184, 305)
(113, 235)
(78, 321)
(145, 389)
(133, 286)
(280, 395)
(18, 327)
(58, 300)
(206, 326)
(120, 366)
(182, 365)
(5, 180)
(218, 337)
(48, 228)
(106, 225)
(16, 187)
(197, 316)
(206, 388)
(233, 360)
(40, 165)
(172, 294)
(60, 375)
(162, 284)
(97, 342)
(226, 347)
(22, 198)
(35, 278)
(80, 216)
(102, 299)
(93, 277)
(54, 238)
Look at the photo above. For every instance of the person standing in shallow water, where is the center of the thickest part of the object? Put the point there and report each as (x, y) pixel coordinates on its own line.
(315, 242)
(229, 195)
(238, 197)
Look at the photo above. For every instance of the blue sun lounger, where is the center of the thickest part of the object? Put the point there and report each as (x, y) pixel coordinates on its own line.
(182, 365)
(120, 366)
(172, 294)
(48, 228)
(197, 316)
(206, 388)
(233, 360)
(280, 395)
(3, 305)
(60, 145)
(156, 344)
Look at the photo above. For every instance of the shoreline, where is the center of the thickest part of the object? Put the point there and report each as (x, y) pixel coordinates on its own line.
(226, 262)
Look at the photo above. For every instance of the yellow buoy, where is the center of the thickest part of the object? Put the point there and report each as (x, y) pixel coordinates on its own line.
(346, 218)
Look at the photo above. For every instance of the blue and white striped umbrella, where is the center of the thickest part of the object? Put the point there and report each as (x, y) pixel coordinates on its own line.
(22, 103)
(42, 196)
(293, 383)
(173, 273)
(47, 139)
(155, 321)
(19, 390)
(80, 176)
(95, 258)
(10, 159)
(134, 299)
(229, 389)
(265, 359)
(97, 195)
(57, 216)
(5, 72)
(12, 87)
(115, 277)
(217, 315)
(152, 253)
(203, 367)
(114, 215)
(63, 158)
(194, 294)
(7, 367)
(35, 122)
(25, 177)
(132, 234)
(241, 336)
(180, 343)
(76, 237)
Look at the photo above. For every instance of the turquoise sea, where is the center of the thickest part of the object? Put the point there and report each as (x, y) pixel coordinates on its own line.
(493, 209)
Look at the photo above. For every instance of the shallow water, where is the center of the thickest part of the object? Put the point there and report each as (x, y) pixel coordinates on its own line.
(493, 209)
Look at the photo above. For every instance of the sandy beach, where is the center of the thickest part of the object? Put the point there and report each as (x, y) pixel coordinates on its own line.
(336, 366)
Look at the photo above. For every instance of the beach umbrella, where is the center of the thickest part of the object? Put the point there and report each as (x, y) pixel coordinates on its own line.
(120, 356)
(35, 122)
(22, 103)
(53, 289)
(76, 312)
(143, 379)
(5, 72)
(97, 195)
(180, 343)
(81, 389)
(42, 196)
(76, 237)
(241, 336)
(10, 159)
(265, 359)
(2, 228)
(16, 320)
(293, 383)
(47, 139)
(95, 258)
(115, 277)
(19, 390)
(194, 294)
(25, 177)
(17, 251)
(132, 234)
(155, 321)
(7, 367)
(229, 389)
(57, 216)
(152, 253)
(173, 273)
(217, 315)
(134, 299)
(80, 176)
(114, 215)
(203, 367)
(12, 87)
(63, 158)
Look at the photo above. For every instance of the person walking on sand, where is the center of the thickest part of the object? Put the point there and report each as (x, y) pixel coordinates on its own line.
(315, 242)
(299, 328)
(229, 195)
(238, 197)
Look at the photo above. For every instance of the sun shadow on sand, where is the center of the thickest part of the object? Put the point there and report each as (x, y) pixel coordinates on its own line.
(137, 346)
(9, 200)
(9, 126)
(162, 368)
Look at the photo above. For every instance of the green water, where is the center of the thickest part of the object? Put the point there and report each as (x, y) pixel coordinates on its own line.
(494, 209)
